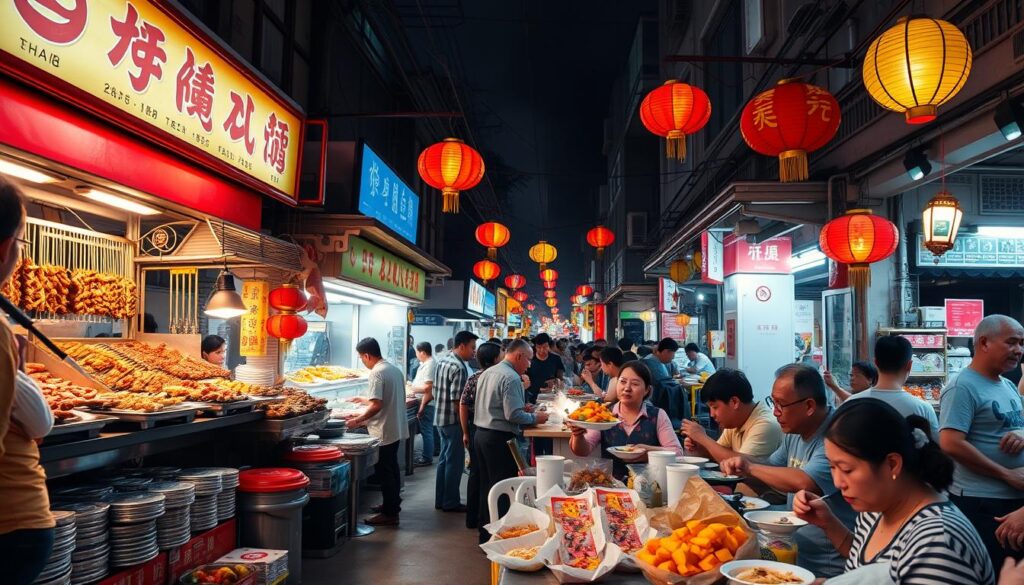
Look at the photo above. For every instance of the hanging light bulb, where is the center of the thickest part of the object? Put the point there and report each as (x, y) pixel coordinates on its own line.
(225, 302)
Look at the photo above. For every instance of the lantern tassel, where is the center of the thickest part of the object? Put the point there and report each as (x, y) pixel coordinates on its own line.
(492, 253)
(285, 344)
(675, 147)
(793, 166)
(860, 276)
(451, 200)
(600, 253)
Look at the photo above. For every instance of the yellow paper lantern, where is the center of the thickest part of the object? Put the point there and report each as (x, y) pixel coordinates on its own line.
(682, 319)
(916, 66)
(543, 253)
(551, 302)
(680, 271)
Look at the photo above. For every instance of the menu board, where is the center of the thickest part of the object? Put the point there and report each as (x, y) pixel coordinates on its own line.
(963, 316)
(976, 251)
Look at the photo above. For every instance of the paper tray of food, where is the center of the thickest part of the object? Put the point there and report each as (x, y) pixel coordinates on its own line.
(81, 421)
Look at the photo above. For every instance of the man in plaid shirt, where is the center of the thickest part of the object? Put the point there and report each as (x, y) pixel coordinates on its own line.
(450, 375)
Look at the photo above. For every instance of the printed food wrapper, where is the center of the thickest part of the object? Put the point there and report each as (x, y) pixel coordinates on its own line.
(625, 521)
(497, 551)
(698, 502)
(519, 514)
(610, 556)
(543, 501)
(578, 522)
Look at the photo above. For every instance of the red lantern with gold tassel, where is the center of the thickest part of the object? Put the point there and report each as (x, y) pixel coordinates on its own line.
(531, 307)
(550, 294)
(789, 121)
(492, 235)
(858, 239)
(674, 110)
(451, 166)
(600, 238)
(520, 296)
(584, 290)
(515, 281)
(486, 270)
(549, 284)
(549, 274)
(551, 302)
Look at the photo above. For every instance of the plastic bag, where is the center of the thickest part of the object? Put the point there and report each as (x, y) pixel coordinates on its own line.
(591, 473)
(698, 502)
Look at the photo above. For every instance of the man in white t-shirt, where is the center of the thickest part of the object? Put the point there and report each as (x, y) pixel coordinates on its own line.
(423, 385)
(384, 419)
(893, 355)
(698, 362)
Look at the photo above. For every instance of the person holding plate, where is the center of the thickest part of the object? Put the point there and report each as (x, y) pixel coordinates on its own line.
(643, 425)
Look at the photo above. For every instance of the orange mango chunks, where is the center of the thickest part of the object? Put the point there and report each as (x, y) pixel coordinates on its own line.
(593, 412)
(694, 548)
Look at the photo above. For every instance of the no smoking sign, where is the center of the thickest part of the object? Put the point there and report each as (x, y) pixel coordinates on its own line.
(763, 293)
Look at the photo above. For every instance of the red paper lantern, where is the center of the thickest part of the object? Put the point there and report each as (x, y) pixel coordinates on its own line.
(600, 238)
(550, 294)
(788, 121)
(287, 297)
(531, 307)
(520, 296)
(549, 274)
(515, 281)
(857, 239)
(486, 270)
(674, 110)
(286, 326)
(492, 235)
(551, 302)
(549, 284)
(451, 166)
(584, 290)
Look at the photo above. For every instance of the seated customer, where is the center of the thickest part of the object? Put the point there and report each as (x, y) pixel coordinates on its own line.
(863, 375)
(643, 424)
(611, 366)
(893, 355)
(698, 362)
(892, 472)
(798, 401)
(667, 393)
(592, 379)
(749, 428)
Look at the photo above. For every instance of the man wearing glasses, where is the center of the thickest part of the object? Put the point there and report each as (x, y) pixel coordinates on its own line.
(799, 402)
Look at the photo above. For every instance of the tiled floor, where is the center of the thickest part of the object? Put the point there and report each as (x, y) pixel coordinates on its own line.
(429, 547)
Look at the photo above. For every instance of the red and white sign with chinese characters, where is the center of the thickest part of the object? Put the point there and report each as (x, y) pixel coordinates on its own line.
(600, 321)
(142, 65)
(963, 316)
(668, 296)
(768, 257)
(730, 338)
(669, 327)
(712, 269)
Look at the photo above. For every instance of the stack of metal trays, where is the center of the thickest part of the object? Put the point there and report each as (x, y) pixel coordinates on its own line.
(174, 528)
(92, 548)
(133, 535)
(87, 493)
(209, 485)
(226, 498)
(131, 484)
(58, 567)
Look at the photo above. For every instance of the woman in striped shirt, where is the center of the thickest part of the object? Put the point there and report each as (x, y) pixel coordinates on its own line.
(890, 470)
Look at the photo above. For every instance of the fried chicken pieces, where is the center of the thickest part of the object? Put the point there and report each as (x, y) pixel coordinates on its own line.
(53, 289)
(296, 403)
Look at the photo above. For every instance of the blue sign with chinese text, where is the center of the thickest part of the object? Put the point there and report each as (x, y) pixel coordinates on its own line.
(490, 304)
(384, 196)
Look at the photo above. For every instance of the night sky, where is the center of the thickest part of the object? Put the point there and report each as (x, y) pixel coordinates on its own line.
(534, 79)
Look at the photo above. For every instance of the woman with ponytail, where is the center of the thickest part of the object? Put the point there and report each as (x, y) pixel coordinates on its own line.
(892, 472)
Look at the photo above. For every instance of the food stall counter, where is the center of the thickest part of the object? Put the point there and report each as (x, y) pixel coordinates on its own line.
(559, 436)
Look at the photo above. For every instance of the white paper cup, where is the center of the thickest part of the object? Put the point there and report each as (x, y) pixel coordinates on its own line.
(657, 461)
(550, 469)
(677, 476)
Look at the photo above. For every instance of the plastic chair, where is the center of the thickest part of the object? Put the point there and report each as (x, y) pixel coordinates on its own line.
(506, 487)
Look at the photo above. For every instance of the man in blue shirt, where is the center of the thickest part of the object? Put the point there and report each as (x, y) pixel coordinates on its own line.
(667, 394)
(698, 362)
(980, 426)
(799, 401)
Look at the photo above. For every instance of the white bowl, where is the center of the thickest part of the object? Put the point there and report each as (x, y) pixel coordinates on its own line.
(627, 455)
(770, 521)
(698, 461)
(733, 568)
(592, 426)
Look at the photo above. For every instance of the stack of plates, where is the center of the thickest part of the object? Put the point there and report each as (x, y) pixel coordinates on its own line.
(133, 544)
(84, 493)
(255, 374)
(173, 529)
(131, 484)
(92, 549)
(58, 567)
(226, 498)
(133, 535)
(206, 479)
(157, 473)
(203, 513)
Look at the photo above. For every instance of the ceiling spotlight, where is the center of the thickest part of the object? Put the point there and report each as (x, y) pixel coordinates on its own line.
(916, 163)
(1009, 118)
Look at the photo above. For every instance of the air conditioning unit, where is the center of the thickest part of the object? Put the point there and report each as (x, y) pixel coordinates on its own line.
(636, 228)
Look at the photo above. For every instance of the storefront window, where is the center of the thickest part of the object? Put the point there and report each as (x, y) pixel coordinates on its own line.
(839, 341)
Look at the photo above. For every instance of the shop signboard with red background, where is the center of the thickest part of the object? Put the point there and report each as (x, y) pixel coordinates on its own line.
(668, 296)
(145, 67)
(669, 328)
(730, 338)
(771, 256)
(963, 316)
(600, 321)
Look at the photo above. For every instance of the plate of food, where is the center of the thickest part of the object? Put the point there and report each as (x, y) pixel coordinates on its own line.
(592, 416)
(698, 461)
(758, 572)
(715, 477)
(627, 452)
(746, 503)
(775, 522)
